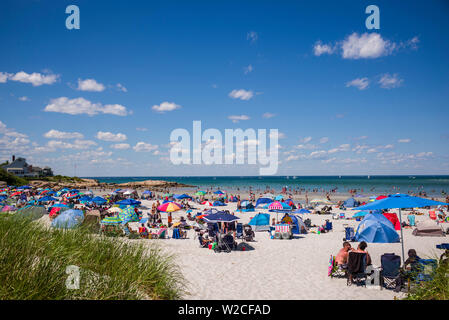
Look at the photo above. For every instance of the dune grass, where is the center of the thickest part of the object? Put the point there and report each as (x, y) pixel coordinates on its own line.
(435, 289)
(33, 262)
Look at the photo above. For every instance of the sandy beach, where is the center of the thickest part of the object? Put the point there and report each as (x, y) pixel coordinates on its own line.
(280, 269)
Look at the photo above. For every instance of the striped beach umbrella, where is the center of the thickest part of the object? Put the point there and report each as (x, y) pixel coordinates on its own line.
(169, 207)
(276, 205)
(128, 215)
(207, 203)
(111, 220)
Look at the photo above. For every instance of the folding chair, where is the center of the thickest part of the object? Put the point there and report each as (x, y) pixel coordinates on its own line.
(357, 268)
(349, 234)
(411, 220)
(335, 270)
(391, 265)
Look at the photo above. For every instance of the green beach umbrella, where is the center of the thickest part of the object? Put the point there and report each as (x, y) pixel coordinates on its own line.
(112, 220)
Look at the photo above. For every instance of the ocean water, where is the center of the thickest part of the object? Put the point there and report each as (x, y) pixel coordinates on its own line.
(432, 185)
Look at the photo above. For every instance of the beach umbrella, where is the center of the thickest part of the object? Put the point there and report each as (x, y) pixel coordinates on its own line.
(114, 210)
(221, 217)
(276, 205)
(59, 205)
(381, 197)
(261, 201)
(207, 203)
(219, 192)
(32, 212)
(182, 196)
(129, 202)
(71, 195)
(168, 195)
(279, 197)
(200, 193)
(360, 214)
(99, 200)
(16, 194)
(8, 208)
(46, 199)
(323, 201)
(111, 220)
(400, 201)
(169, 207)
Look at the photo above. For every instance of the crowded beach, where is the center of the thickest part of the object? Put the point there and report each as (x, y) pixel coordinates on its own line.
(270, 246)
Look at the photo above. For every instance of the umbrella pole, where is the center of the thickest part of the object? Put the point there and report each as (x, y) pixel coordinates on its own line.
(402, 236)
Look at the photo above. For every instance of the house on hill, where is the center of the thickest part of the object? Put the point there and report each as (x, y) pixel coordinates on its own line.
(21, 168)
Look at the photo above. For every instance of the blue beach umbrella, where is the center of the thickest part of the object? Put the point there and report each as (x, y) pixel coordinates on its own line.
(400, 201)
(46, 198)
(99, 200)
(129, 202)
(221, 216)
(302, 211)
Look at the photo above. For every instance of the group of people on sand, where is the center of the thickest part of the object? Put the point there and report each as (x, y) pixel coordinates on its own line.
(407, 272)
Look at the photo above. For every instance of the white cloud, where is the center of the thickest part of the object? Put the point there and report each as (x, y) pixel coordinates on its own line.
(121, 88)
(404, 140)
(90, 85)
(268, 115)
(144, 147)
(83, 106)
(367, 45)
(55, 134)
(236, 119)
(142, 129)
(241, 94)
(319, 49)
(77, 144)
(306, 139)
(166, 107)
(388, 81)
(4, 77)
(248, 69)
(252, 36)
(24, 98)
(109, 136)
(324, 139)
(36, 79)
(360, 83)
(120, 146)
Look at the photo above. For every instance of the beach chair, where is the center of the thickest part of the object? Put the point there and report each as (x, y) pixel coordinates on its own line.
(335, 270)
(328, 226)
(357, 268)
(160, 234)
(239, 231)
(411, 220)
(349, 234)
(391, 265)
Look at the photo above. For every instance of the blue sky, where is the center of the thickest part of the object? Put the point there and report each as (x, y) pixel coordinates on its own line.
(346, 99)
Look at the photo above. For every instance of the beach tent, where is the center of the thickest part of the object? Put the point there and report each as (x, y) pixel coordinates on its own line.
(393, 219)
(233, 199)
(428, 228)
(68, 219)
(246, 206)
(218, 204)
(375, 228)
(301, 211)
(128, 215)
(350, 203)
(298, 226)
(261, 201)
(261, 222)
(31, 212)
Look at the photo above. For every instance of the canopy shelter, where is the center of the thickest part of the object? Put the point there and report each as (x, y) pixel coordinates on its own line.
(400, 201)
(129, 202)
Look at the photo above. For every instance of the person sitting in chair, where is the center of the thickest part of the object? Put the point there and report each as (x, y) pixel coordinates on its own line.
(342, 256)
(287, 219)
(362, 249)
(409, 270)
